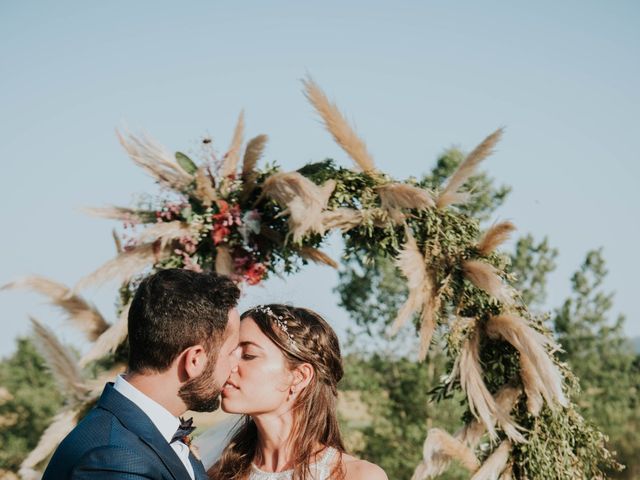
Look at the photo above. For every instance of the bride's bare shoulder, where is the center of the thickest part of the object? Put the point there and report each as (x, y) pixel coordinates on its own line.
(357, 469)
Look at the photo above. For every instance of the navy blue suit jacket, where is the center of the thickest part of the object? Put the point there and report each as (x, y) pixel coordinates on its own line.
(116, 440)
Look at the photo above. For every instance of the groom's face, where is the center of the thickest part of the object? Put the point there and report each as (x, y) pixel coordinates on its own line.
(202, 393)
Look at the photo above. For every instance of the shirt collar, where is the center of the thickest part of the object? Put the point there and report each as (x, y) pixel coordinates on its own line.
(164, 421)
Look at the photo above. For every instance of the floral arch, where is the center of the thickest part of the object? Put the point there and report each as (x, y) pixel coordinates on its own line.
(228, 215)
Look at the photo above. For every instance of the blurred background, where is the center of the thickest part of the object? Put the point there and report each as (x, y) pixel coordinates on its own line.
(423, 82)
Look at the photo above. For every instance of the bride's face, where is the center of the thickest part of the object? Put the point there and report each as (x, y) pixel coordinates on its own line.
(260, 383)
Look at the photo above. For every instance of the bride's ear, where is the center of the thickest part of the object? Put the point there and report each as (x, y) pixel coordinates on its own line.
(302, 375)
(194, 361)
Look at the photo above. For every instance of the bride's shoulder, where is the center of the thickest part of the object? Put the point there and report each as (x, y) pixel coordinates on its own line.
(356, 468)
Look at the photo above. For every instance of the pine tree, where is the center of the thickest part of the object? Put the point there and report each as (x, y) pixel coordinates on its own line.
(601, 356)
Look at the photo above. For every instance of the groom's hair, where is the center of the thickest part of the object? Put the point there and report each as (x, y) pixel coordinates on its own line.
(175, 309)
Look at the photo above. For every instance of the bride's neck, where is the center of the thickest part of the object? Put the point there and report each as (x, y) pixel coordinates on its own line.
(273, 452)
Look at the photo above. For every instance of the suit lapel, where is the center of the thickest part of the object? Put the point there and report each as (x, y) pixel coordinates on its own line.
(198, 468)
(136, 421)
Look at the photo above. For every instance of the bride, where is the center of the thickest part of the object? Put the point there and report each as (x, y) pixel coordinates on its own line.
(285, 385)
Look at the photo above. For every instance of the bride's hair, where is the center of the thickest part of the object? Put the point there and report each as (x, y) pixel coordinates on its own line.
(303, 336)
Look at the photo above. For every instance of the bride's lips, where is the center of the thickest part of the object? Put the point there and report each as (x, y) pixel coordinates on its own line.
(229, 387)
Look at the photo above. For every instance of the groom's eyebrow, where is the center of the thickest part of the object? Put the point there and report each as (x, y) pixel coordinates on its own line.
(242, 344)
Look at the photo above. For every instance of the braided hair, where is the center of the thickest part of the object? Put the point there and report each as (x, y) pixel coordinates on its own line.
(303, 336)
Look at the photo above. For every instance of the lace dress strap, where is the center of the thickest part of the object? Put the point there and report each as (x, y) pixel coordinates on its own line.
(320, 470)
(323, 467)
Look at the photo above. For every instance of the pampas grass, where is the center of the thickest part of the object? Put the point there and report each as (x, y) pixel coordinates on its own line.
(507, 474)
(495, 236)
(59, 428)
(342, 132)
(401, 195)
(427, 324)
(165, 232)
(230, 163)
(204, 188)
(97, 385)
(60, 362)
(438, 451)
(481, 403)
(317, 256)
(111, 339)
(155, 160)
(541, 375)
(495, 464)
(485, 277)
(253, 153)
(80, 312)
(125, 265)
(304, 201)
(122, 214)
(505, 400)
(343, 218)
(532, 387)
(412, 265)
(450, 195)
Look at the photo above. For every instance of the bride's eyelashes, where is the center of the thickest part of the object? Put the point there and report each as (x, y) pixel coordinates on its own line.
(246, 356)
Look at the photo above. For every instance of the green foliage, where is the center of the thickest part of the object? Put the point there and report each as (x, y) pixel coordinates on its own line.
(371, 288)
(562, 444)
(600, 355)
(530, 265)
(186, 163)
(32, 401)
(398, 415)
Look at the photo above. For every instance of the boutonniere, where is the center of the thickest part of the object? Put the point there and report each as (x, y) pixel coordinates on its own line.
(193, 448)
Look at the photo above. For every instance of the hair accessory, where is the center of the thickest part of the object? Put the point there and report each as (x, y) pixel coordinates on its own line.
(282, 324)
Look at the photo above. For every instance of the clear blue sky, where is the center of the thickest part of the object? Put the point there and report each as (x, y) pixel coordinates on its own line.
(416, 77)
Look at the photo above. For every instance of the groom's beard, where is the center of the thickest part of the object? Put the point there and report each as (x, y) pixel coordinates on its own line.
(202, 394)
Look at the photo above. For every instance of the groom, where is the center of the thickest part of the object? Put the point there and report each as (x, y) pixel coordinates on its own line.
(183, 338)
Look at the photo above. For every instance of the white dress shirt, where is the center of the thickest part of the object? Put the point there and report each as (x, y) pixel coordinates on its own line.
(166, 423)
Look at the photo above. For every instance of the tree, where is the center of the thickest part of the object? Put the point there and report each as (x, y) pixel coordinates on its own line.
(28, 400)
(601, 356)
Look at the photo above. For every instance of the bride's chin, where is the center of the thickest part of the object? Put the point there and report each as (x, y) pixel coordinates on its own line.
(227, 407)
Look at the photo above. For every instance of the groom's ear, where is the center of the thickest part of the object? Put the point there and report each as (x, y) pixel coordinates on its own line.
(194, 361)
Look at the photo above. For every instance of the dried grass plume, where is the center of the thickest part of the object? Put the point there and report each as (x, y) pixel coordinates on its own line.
(60, 362)
(109, 341)
(495, 464)
(342, 132)
(59, 428)
(494, 237)
(123, 267)
(438, 451)
(304, 201)
(485, 277)
(467, 168)
(317, 256)
(80, 312)
(540, 374)
(231, 158)
(155, 160)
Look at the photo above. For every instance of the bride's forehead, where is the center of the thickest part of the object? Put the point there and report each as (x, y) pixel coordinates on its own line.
(249, 328)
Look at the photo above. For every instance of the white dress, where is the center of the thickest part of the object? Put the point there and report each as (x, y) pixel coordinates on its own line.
(319, 470)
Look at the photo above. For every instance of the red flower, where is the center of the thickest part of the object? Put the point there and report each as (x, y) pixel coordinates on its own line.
(219, 233)
(255, 273)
